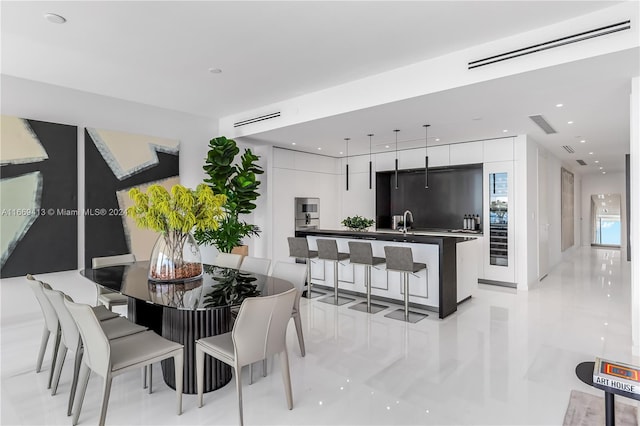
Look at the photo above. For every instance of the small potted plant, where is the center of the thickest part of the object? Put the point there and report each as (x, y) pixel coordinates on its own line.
(176, 255)
(357, 223)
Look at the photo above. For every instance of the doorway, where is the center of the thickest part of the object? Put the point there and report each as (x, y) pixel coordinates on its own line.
(606, 225)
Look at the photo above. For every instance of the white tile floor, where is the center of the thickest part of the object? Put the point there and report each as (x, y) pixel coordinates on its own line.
(503, 359)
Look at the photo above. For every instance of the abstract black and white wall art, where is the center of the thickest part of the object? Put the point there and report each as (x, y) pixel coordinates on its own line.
(114, 163)
(38, 197)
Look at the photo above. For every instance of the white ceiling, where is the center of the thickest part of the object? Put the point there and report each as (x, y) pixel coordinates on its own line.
(159, 53)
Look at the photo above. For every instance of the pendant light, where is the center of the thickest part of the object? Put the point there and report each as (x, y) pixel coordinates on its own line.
(396, 171)
(370, 162)
(426, 156)
(347, 171)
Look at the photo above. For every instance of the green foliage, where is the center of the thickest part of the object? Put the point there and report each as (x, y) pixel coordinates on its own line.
(357, 223)
(231, 289)
(238, 182)
(180, 210)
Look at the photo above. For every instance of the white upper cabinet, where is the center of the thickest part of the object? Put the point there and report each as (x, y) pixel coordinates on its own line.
(498, 150)
(466, 153)
(385, 161)
(411, 159)
(438, 156)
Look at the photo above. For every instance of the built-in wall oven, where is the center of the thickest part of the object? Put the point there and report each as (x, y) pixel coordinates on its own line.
(307, 213)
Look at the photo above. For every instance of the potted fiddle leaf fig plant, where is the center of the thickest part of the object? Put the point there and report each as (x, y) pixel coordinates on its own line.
(357, 223)
(174, 215)
(237, 180)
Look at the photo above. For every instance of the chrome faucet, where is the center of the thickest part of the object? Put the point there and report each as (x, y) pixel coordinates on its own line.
(404, 220)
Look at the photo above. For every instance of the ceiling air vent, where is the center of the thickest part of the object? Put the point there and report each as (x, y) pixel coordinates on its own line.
(257, 119)
(568, 149)
(543, 124)
(581, 162)
(585, 35)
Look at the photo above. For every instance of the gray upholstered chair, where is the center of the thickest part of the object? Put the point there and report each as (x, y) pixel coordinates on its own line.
(362, 254)
(299, 248)
(109, 358)
(110, 298)
(295, 273)
(256, 265)
(51, 324)
(112, 327)
(228, 260)
(400, 259)
(328, 251)
(259, 332)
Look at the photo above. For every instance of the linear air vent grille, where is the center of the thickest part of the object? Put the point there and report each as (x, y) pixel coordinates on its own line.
(543, 124)
(568, 149)
(585, 35)
(581, 162)
(257, 119)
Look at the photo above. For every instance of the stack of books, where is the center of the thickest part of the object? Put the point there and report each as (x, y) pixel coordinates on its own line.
(616, 375)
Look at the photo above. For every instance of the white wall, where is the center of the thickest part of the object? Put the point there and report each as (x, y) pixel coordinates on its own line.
(611, 183)
(45, 102)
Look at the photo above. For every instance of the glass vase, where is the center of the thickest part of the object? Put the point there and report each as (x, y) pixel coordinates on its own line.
(175, 257)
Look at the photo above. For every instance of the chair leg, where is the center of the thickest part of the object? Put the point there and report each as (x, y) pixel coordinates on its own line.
(76, 372)
(82, 381)
(106, 391)
(144, 377)
(178, 361)
(150, 378)
(286, 377)
(298, 323)
(62, 354)
(43, 347)
(55, 356)
(264, 367)
(238, 374)
(199, 373)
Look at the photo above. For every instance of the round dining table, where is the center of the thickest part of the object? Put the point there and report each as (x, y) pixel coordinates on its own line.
(185, 311)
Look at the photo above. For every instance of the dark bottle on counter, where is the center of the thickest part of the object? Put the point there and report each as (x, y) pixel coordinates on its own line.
(465, 222)
(477, 228)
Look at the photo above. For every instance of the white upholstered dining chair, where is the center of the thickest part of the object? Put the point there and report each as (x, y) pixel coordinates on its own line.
(109, 358)
(258, 332)
(256, 265)
(296, 274)
(110, 298)
(228, 260)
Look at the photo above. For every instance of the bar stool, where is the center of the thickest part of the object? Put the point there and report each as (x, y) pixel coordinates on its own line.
(328, 251)
(299, 248)
(362, 254)
(400, 259)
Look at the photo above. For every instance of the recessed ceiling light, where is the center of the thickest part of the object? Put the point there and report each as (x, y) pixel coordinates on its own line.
(601, 167)
(215, 70)
(597, 161)
(505, 131)
(340, 152)
(569, 122)
(55, 19)
(582, 141)
(319, 149)
(293, 143)
(604, 173)
(386, 146)
(437, 139)
(591, 153)
(559, 105)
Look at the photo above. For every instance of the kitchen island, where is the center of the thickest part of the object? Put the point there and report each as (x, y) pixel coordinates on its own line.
(452, 260)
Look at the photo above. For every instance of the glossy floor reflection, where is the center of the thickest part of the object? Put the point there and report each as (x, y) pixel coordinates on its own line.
(504, 358)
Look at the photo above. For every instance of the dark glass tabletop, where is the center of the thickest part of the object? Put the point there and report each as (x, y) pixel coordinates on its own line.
(218, 287)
